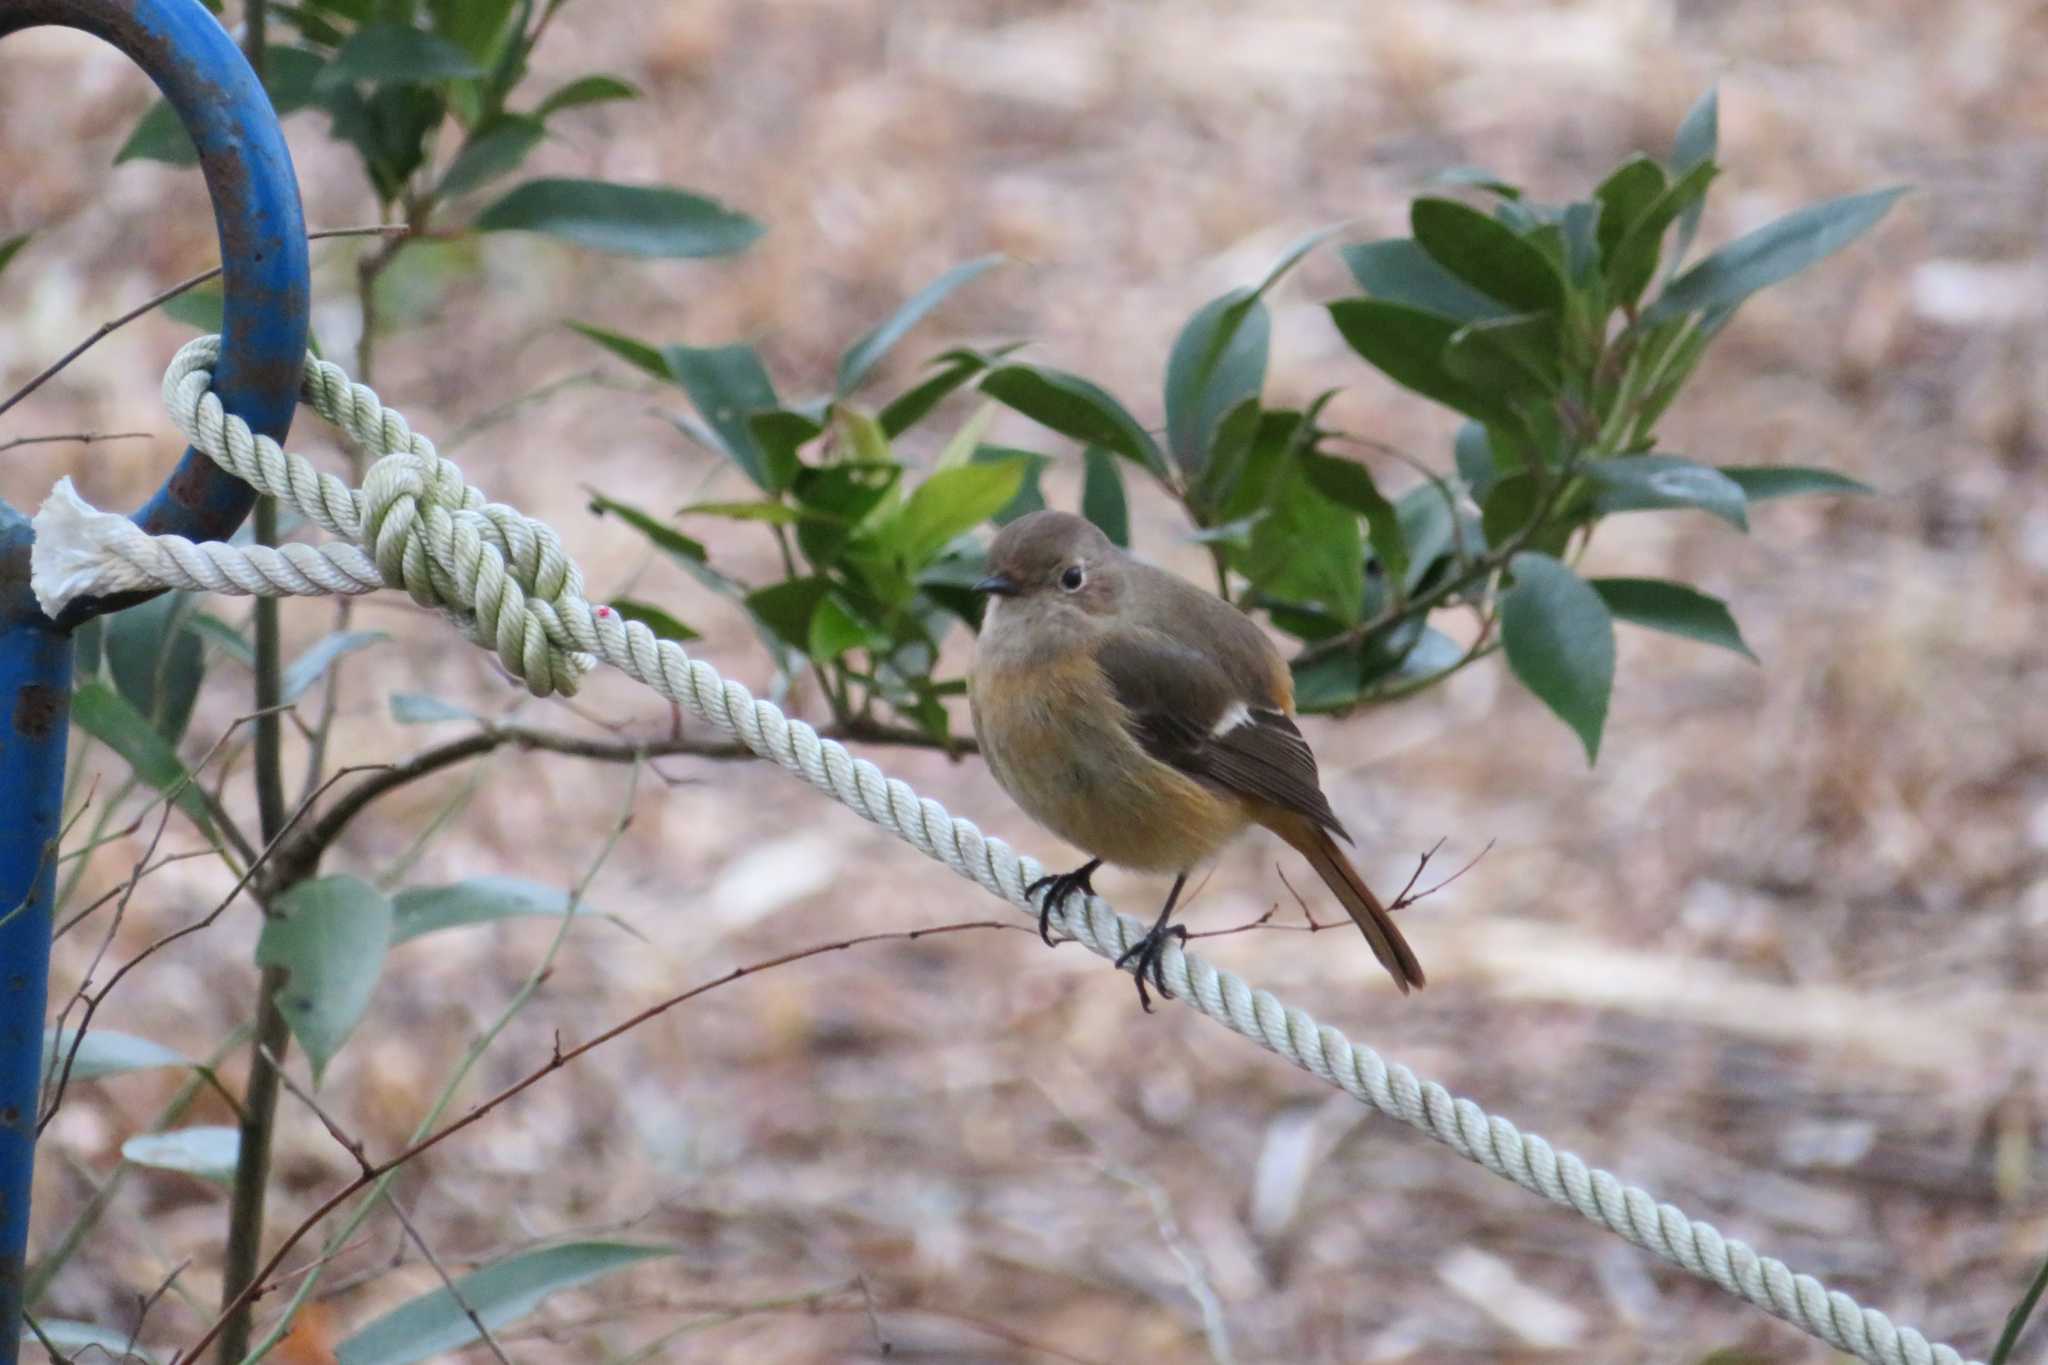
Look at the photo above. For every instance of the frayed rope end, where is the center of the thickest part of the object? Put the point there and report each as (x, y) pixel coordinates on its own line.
(71, 556)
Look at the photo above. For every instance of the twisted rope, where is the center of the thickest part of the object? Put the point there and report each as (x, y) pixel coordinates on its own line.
(417, 524)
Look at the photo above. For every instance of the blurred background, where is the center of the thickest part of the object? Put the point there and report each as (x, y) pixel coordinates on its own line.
(1778, 957)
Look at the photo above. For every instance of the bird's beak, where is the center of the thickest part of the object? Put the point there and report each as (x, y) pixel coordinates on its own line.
(1000, 585)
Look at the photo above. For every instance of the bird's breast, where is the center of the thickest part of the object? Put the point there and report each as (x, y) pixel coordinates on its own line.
(1054, 736)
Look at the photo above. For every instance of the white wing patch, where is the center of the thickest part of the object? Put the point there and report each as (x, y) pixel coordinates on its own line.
(1238, 714)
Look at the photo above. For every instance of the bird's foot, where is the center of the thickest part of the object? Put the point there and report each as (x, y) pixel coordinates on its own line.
(1057, 887)
(1150, 952)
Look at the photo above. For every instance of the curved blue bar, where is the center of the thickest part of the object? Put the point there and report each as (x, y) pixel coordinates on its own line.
(263, 247)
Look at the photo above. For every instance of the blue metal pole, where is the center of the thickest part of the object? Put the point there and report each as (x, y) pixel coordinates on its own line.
(263, 251)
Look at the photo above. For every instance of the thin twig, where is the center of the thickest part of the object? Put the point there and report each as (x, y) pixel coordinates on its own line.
(448, 1282)
(84, 438)
(354, 1147)
(92, 1002)
(53, 1260)
(104, 329)
(149, 1302)
(1405, 899)
(470, 1057)
(302, 854)
(2016, 1321)
(558, 1059)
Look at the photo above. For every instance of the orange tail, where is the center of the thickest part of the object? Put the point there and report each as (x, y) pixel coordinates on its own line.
(1314, 843)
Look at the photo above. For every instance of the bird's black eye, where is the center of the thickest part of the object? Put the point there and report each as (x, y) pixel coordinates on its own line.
(1072, 579)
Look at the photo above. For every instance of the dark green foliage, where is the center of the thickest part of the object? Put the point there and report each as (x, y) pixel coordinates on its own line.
(1542, 324)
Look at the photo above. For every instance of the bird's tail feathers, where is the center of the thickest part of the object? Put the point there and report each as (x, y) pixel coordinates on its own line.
(1314, 843)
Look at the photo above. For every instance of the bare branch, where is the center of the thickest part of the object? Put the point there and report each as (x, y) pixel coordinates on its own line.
(106, 328)
(558, 1058)
(354, 1147)
(84, 438)
(302, 853)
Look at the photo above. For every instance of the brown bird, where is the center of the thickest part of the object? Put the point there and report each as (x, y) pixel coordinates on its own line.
(1147, 722)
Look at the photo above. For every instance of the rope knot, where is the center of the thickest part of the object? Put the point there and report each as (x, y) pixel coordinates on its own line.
(503, 577)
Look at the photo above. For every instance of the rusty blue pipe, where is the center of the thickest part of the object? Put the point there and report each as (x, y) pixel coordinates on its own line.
(263, 250)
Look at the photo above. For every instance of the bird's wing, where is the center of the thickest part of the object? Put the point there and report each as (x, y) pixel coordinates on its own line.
(1185, 711)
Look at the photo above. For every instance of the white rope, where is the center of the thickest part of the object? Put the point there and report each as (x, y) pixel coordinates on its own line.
(417, 524)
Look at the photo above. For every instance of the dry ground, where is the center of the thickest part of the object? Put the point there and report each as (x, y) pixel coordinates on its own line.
(1779, 957)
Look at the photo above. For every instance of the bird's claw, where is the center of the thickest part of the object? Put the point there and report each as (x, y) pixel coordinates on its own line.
(1057, 887)
(1150, 951)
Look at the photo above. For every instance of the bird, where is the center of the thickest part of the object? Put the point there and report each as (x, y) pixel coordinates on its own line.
(1148, 723)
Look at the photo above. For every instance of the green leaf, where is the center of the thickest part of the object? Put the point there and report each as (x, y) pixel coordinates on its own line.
(108, 717)
(1228, 452)
(1074, 407)
(1307, 549)
(1486, 254)
(1640, 483)
(1429, 530)
(1217, 371)
(1512, 356)
(844, 495)
(476, 26)
(1328, 683)
(664, 626)
(836, 627)
(391, 128)
(1673, 608)
(781, 433)
(636, 353)
(863, 355)
(496, 151)
(1633, 260)
(1473, 452)
(289, 76)
(92, 1343)
(1698, 141)
(1432, 653)
(421, 910)
(1560, 643)
(10, 246)
(950, 503)
(1407, 345)
(308, 667)
(585, 90)
(329, 934)
(209, 1151)
(502, 1293)
(317, 27)
(1400, 271)
(1624, 197)
(780, 513)
(157, 661)
(786, 608)
(625, 220)
(1218, 361)
(202, 309)
(1772, 253)
(1760, 483)
(417, 708)
(913, 404)
(870, 444)
(729, 385)
(1029, 497)
(393, 54)
(1102, 496)
(1506, 512)
(106, 1053)
(1405, 651)
(1582, 240)
(1478, 177)
(1349, 484)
